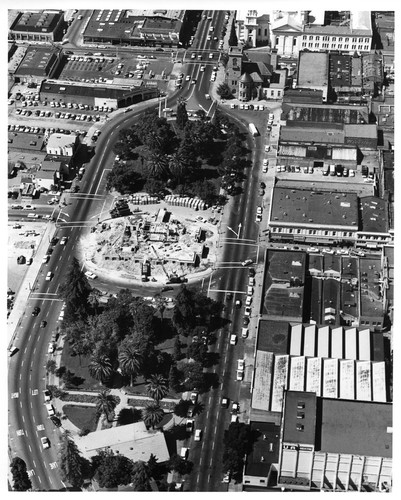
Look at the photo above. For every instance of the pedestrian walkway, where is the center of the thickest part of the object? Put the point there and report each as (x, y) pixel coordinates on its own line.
(29, 284)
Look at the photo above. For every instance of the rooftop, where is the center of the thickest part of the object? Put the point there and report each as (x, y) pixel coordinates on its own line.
(133, 441)
(315, 134)
(88, 89)
(273, 336)
(265, 450)
(374, 214)
(363, 428)
(22, 141)
(37, 61)
(61, 141)
(321, 209)
(371, 296)
(313, 69)
(297, 403)
(39, 21)
(335, 113)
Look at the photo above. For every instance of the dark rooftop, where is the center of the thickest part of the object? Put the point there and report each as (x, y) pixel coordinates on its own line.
(273, 336)
(39, 21)
(260, 459)
(374, 214)
(335, 113)
(37, 61)
(22, 141)
(92, 90)
(332, 262)
(371, 297)
(299, 403)
(321, 209)
(356, 427)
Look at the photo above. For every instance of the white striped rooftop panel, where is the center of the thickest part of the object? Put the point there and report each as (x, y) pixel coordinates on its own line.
(347, 379)
(297, 373)
(323, 336)
(379, 381)
(350, 337)
(314, 375)
(363, 381)
(364, 344)
(337, 343)
(280, 380)
(296, 340)
(330, 378)
(310, 340)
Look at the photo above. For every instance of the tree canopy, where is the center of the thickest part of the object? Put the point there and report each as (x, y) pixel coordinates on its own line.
(21, 481)
(111, 470)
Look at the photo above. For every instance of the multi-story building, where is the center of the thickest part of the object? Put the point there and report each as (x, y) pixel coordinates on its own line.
(351, 32)
(252, 29)
(43, 26)
(37, 64)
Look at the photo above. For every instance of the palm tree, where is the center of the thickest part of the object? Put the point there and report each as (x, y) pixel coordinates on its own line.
(100, 367)
(93, 298)
(157, 165)
(157, 387)
(106, 404)
(152, 414)
(160, 304)
(130, 359)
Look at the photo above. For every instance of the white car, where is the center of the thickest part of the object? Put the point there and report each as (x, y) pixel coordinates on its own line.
(312, 250)
(198, 434)
(49, 276)
(265, 168)
(259, 210)
(45, 442)
(241, 364)
(187, 78)
(247, 311)
(233, 339)
(50, 409)
(251, 281)
(29, 207)
(265, 162)
(258, 218)
(248, 301)
(63, 240)
(47, 395)
(90, 275)
(184, 453)
(50, 349)
(327, 250)
(249, 290)
(240, 375)
(267, 148)
(247, 262)
(244, 333)
(45, 259)
(234, 418)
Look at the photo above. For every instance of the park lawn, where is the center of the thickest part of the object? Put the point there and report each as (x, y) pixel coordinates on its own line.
(79, 368)
(84, 417)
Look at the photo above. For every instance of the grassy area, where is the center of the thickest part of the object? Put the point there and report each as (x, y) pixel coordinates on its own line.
(78, 365)
(84, 417)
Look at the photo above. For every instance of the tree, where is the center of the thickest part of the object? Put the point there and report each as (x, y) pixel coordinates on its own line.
(180, 465)
(123, 178)
(174, 378)
(140, 476)
(157, 165)
(223, 90)
(152, 415)
(93, 299)
(75, 290)
(233, 40)
(198, 352)
(160, 304)
(51, 366)
(100, 367)
(177, 349)
(194, 376)
(106, 404)
(157, 387)
(181, 408)
(72, 464)
(21, 481)
(154, 468)
(129, 359)
(205, 190)
(182, 115)
(111, 470)
(184, 311)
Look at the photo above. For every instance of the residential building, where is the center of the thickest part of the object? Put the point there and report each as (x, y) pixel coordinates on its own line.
(43, 26)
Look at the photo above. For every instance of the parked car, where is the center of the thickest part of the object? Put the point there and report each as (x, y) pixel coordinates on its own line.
(50, 409)
(198, 435)
(90, 275)
(189, 426)
(225, 402)
(56, 421)
(184, 453)
(43, 324)
(36, 311)
(45, 442)
(247, 262)
(233, 339)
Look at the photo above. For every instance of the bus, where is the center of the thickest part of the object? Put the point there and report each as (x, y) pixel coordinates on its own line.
(253, 130)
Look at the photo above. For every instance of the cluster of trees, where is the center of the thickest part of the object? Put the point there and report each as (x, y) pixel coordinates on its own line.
(111, 470)
(155, 156)
(238, 441)
(21, 481)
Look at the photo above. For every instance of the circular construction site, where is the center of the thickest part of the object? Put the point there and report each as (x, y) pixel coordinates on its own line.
(161, 244)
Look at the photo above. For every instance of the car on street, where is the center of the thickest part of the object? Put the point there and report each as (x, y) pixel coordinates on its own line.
(29, 207)
(56, 421)
(265, 169)
(238, 304)
(244, 332)
(49, 276)
(193, 81)
(45, 259)
(247, 311)
(241, 364)
(50, 349)
(312, 250)
(226, 478)
(248, 301)
(328, 250)
(233, 339)
(187, 78)
(267, 148)
(235, 407)
(45, 442)
(43, 324)
(245, 321)
(247, 262)
(90, 275)
(190, 412)
(184, 453)
(50, 409)
(63, 240)
(189, 426)
(265, 162)
(36, 311)
(198, 435)
(194, 398)
(240, 375)
(225, 402)
(47, 395)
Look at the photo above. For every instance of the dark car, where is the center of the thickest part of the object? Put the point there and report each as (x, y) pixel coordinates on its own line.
(261, 192)
(246, 321)
(229, 296)
(56, 421)
(43, 324)
(262, 185)
(54, 241)
(252, 272)
(36, 311)
(225, 402)
(167, 288)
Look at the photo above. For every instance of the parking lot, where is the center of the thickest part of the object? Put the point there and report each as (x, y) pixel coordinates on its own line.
(102, 69)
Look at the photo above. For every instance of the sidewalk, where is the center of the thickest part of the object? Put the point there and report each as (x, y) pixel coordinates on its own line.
(29, 284)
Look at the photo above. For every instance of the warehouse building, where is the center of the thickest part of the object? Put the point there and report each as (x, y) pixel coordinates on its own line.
(319, 451)
(38, 26)
(38, 64)
(93, 94)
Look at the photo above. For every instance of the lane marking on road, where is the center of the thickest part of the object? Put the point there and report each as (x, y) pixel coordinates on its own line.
(34, 463)
(197, 477)
(212, 448)
(30, 449)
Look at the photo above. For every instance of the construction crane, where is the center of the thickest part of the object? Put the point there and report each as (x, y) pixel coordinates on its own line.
(159, 259)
